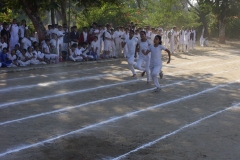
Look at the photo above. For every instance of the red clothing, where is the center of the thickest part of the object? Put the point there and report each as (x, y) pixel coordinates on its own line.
(89, 38)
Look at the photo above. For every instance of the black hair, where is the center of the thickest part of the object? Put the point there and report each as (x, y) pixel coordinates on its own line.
(5, 49)
(24, 50)
(143, 32)
(74, 45)
(160, 39)
(30, 47)
(96, 37)
(131, 31)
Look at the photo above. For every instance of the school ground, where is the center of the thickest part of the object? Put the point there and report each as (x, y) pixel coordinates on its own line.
(97, 111)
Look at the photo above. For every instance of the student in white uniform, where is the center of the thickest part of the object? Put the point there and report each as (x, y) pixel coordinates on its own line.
(23, 59)
(95, 48)
(143, 44)
(39, 55)
(192, 38)
(23, 28)
(75, 53)
(131, 43)
(156, 60)
(125, 36)
(14, 31)
(181, 39)
(46, 50)
(32, 56)
(113, 45)
(26, 42)
(173, 39)
(202, 39)
(107, 42)
(85, 51)
(187, 39)
(117, 39)
(12, 57)
(3, 44)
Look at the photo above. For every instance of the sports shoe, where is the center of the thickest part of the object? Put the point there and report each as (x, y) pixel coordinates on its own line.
(157, 89)
(161, 74)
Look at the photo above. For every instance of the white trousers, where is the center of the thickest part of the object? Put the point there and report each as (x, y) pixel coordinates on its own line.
(77, 58)
(172, 46)
(155, 70)
(131, 63)
(146, 68)
(50, 56)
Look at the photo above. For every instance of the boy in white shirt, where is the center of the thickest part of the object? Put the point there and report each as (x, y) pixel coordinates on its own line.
(39, 55)
(3, 44)
(22, 59)
(46, 50)
(95, 48)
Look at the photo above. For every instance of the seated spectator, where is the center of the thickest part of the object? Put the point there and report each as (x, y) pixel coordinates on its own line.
(4, 61)
(85, 51)
(26, 42)
(23, 59)
(46, 49)
(3, 44)
(75, 55)
(95, 48)
(39, 55)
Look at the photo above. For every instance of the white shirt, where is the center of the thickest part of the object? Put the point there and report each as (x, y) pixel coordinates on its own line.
(78, 51)
(14, 31)
(45, 46)
(137, 36)
(131, 44)
(3, 45)
(95, 45)
(11, 57)
(53, 42)
(143, 46)
(38, 54)
(156, 55)
(26, 43)
(29, 55)
(22, 29)
(33, 39)
(107, 35)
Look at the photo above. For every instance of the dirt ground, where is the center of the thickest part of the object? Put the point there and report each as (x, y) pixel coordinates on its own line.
(97, 111)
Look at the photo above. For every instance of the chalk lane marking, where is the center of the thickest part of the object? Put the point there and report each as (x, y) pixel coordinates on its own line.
(176, 131)
(82, 78)
(9, 151)
(93, 102)
(61, 81)
(81, 91)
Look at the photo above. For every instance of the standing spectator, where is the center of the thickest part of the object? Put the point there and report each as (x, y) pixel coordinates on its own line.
(5, 33)
(85, 36)
(74, 35)
(3, 44)
(23, 28)
(14, 31)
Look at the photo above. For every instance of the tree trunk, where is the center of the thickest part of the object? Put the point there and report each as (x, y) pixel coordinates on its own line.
(63, 11)
(222, 27)
(204, 23)
(52, 16)
(37, 22)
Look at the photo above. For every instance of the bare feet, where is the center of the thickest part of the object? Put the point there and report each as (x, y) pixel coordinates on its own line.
(143, 73)
(133, 75)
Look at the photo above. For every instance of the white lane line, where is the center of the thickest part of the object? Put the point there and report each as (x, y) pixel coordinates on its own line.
(60, 82)
(58, 73)
(3, 105)
(85, 104)
(67, 93)
(84, 78)
(175, 132)
(93, 102)
(9, 151)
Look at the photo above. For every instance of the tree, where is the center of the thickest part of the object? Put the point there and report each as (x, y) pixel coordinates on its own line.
(202, 8)
(224, 10)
